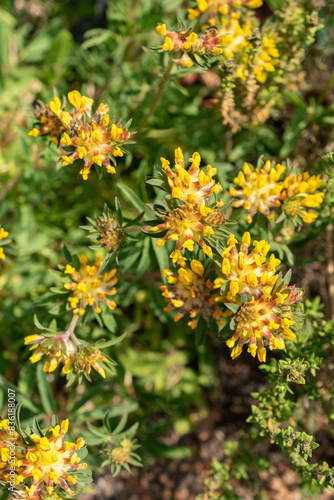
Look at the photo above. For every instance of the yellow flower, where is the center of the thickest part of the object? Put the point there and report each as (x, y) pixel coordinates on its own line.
(90, 287)
(80, 102)
(86, 358)
(168, 45)
(191, 293)
(50, 460)
(34, 132)
(264, 321)
(83, 136)
(51, 121)
(245, 272)
(260, 189)
(58, 349)
(233, 36)
(208, 42)
(10, 443)
(265, 59)
(96, 142)
(197, 219)
(194, 185)
(187, 226)
(300, 193)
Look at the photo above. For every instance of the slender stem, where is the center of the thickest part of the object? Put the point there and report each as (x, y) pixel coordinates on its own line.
(156, 99)
(75, 339)
(70, 331)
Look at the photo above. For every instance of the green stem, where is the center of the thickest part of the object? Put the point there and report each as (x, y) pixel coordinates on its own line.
(156, 99)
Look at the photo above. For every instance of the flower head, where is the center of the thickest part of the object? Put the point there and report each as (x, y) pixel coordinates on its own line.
(89, 287)
(245, 272)
(10, 443)
(182, 41)
(58, 348)
(189, 226)
(194, 216)
(52, 120)
(110, 234)
(260, 189)
(97, 142)
(86, 358)
(233, 35)
(264, 321)
(300, 192)
(265, 59)
(191, 186)
(51, 461)
(189, 292)
(90, 139)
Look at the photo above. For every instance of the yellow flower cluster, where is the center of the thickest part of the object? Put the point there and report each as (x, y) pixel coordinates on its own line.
(214, 7)
(234, 37)
(52, 120)
(263, 61)
(193, 221)
(89, 286)
(91, 139)
(48, 463)
(10, 457)
(262, 321)
(77, 359)
(3, 235)
(267, 313)
(191, 293)
(58, 349)
(245, 272)
(86, 358)
(207, 42)
(194, 185)
(120, 455)
(261, 190)
(300, 193)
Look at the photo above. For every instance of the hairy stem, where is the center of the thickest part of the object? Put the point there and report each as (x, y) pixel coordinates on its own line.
(70, 331)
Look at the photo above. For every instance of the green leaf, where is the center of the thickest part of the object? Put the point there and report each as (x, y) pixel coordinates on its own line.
(287, 277)
(44, 390)
(118, 211)
(131, 197)
(109, 322)
(66, 253)
(233, 307)
(201, 331)
(82, 453)
(101, 344)
(120, 426)
(83, 479)
(105, 262)
(281, 217)
(246, 297)
(134, 221)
